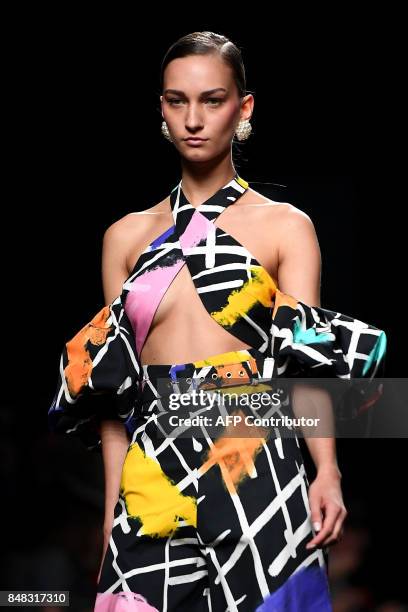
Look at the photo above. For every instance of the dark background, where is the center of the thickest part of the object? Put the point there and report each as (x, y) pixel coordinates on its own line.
(85, 149)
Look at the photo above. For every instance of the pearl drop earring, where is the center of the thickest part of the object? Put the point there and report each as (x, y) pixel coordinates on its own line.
(243, 130)
(165, 131)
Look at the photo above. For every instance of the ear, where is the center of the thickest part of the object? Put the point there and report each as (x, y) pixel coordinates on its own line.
(161, 104)
(247, 107)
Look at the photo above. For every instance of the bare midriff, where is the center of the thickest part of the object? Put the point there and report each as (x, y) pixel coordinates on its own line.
(182, 330)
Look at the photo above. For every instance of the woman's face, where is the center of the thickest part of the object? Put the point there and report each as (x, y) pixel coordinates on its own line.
(200, 99)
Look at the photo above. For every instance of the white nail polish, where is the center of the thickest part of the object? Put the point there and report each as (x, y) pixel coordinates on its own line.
(316, 526)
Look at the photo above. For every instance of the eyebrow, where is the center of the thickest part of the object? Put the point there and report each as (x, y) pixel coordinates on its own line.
(203, 93)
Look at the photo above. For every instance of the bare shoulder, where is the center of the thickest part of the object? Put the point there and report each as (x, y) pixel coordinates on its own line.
(294, 230)
(292, 215)
(125, 239)
(136, 225)
(283, 215)
(296, 238)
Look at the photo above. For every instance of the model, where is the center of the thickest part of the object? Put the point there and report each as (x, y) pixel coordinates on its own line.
(199, 520)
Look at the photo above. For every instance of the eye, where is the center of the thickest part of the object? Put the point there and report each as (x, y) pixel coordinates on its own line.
(174, 101)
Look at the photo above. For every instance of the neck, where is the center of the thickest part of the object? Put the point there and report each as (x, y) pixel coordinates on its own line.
(200, 181)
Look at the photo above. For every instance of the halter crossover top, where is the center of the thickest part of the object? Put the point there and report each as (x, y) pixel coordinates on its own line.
(100, 372)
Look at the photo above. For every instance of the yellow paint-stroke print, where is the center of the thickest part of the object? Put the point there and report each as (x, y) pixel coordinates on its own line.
(235, 456)
(153, 497)
(224, 358)
(259, 288)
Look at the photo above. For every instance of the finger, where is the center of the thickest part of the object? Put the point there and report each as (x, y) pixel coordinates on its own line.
(337, 531)
(327, 527)
(316, 512)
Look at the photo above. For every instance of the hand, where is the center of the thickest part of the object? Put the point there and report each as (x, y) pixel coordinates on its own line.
(325, 493)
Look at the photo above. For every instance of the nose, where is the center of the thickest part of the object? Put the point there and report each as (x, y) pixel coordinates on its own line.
(193, 118)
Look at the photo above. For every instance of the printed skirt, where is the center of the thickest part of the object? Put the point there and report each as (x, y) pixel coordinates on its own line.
(213, 511)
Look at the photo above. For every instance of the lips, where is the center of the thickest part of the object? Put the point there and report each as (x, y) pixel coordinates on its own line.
(195, 139)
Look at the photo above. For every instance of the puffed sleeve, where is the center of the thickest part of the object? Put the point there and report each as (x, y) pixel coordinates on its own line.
(99, 377)
(314, 342)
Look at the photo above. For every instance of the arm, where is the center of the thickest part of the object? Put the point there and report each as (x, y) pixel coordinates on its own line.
(299, 275)
(114, 436)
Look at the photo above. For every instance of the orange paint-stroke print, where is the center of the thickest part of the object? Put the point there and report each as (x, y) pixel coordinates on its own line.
(236, 455)
(79, 367)
(283, 299)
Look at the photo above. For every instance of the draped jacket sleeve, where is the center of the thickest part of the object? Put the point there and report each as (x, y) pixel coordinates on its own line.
(98, 377)
(314, 342)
